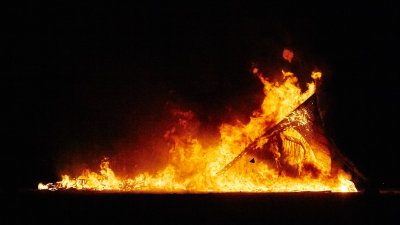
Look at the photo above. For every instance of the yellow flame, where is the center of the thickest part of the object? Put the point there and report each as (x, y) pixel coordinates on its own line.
(193, 167)
(316, 75)
(41, 186)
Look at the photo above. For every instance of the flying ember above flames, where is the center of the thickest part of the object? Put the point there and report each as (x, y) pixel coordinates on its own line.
(280, 149)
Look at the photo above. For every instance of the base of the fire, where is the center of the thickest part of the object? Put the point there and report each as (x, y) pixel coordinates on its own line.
(107, 181)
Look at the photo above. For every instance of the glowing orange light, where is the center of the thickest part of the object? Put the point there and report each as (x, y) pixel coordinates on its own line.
(196, 167)
(287, 55)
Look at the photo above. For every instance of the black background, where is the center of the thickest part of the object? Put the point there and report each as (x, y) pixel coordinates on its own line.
(86, 76)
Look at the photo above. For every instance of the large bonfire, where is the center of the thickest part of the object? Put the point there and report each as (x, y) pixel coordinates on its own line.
(281, 149)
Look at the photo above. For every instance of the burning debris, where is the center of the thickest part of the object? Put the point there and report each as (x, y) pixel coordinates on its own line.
(287, 55)
(282, 148)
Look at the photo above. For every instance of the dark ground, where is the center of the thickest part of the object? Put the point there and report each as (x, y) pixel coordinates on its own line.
(238, 208)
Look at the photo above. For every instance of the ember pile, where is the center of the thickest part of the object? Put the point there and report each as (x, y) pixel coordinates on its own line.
(281, 149)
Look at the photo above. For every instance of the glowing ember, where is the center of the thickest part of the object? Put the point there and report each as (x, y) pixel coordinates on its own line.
(246, 159)
(287, 55)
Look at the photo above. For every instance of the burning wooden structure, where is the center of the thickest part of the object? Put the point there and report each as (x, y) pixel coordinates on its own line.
(282, 148)
(297, 146)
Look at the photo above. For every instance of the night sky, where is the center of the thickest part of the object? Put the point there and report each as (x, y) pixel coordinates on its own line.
(89, 76)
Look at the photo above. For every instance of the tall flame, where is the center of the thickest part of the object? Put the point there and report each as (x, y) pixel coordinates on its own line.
(194, 166)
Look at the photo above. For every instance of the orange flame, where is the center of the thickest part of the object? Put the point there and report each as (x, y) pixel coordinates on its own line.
(287, 55)
(194, 167)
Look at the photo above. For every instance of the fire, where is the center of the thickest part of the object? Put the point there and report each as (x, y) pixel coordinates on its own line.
(42, 186)
(245, 159)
